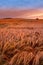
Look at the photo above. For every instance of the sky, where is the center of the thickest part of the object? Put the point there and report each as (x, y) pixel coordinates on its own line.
(12, 6)
(21, 3)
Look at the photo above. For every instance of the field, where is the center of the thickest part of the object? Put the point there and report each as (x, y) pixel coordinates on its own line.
(21, 41)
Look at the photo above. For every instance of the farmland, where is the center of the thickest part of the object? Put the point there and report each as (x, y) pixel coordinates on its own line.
(21, 41)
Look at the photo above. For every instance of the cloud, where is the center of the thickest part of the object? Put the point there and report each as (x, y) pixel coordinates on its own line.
(17, 13)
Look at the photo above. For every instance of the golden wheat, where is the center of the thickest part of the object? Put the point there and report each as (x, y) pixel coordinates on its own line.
(25, 50)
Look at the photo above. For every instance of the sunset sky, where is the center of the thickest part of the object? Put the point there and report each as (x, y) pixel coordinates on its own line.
(21, 8)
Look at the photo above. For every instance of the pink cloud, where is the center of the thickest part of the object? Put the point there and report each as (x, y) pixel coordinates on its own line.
(29, 13)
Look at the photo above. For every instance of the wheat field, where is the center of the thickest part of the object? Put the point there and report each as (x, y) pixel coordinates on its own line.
(21, 42)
